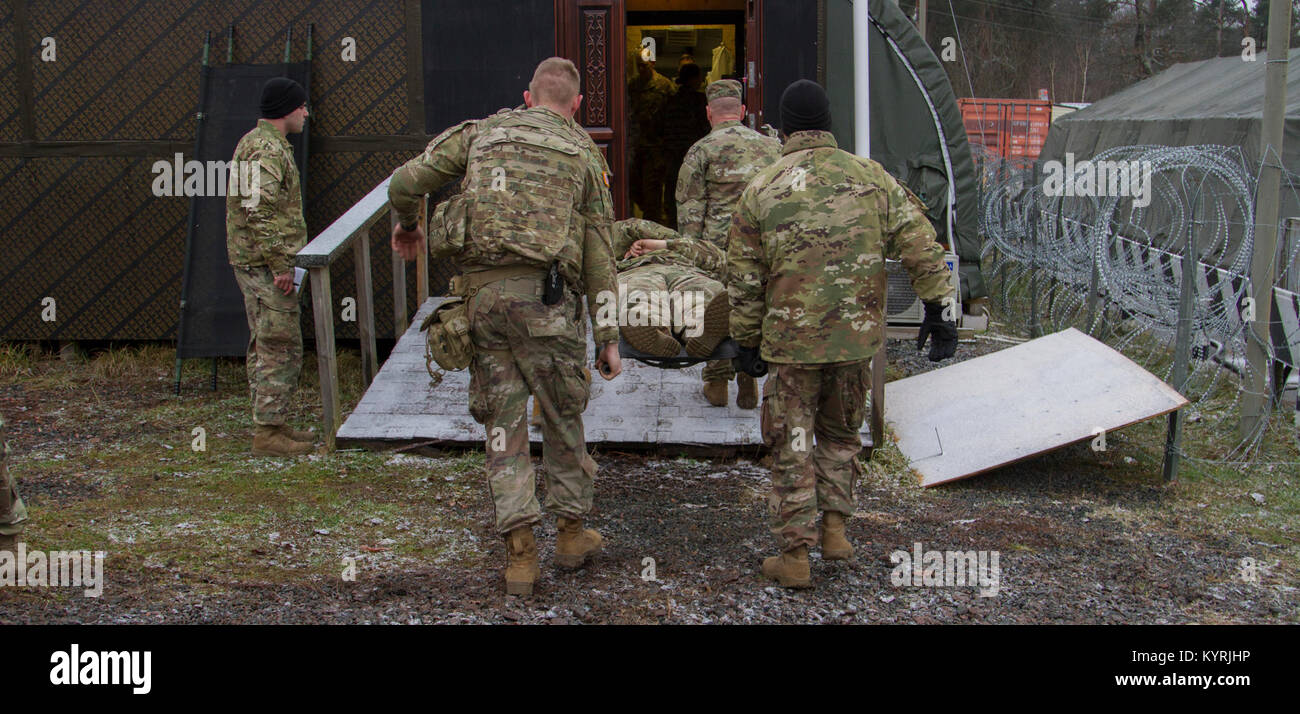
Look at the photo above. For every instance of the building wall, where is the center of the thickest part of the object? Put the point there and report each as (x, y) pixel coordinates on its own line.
(78, 135)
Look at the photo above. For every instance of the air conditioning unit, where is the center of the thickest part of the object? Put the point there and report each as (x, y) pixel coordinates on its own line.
(902, 306)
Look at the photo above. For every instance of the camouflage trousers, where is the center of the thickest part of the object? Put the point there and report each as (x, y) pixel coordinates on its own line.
(274, 344)
(13, 514)
(827, 401)
(523, 347)
(677, 280)
(673, 158)
(686, 288)
(648, 174)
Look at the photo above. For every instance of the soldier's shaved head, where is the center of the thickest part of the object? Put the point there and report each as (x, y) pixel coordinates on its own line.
(555, 83)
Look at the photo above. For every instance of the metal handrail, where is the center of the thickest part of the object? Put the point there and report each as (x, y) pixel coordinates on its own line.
(317, 257)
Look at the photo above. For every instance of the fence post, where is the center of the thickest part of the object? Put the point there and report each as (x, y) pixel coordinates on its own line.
(1182, 344)
(1035, 326)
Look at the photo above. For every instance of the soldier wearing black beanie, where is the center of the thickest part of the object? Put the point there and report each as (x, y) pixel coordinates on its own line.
(805, 107)
(280, 96)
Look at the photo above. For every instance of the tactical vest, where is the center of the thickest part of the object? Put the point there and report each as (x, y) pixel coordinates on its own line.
(524, 184)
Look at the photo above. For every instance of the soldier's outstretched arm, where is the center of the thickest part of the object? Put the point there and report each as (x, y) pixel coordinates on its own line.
(910, 238)
(442, 162)
(598, 273)
(690, 195)
(276, 229)
(702, 254)
(747, 272)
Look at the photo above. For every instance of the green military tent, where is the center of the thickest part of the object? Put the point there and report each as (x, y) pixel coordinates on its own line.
(916, 125)
(1215, 101)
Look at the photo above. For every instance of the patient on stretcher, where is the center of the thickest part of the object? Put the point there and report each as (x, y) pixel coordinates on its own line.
(670, 291)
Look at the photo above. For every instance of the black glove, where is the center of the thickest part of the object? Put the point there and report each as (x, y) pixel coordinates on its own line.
(944, 333)
(749, 362)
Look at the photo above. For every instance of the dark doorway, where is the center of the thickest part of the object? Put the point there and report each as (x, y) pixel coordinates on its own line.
(660, 46)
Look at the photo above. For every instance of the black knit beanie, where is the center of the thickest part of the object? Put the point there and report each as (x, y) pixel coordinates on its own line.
(280, 96)
(805, 107)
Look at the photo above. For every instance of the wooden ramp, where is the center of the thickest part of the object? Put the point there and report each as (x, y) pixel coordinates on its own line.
(644, 406)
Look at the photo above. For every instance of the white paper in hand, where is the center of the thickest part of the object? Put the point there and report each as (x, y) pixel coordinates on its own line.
(298, 275)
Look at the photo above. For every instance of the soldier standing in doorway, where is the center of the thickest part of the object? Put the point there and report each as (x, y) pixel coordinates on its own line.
(685, 122)
(647, 95)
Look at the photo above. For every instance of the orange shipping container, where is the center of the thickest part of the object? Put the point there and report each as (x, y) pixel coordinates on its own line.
(1010, 128)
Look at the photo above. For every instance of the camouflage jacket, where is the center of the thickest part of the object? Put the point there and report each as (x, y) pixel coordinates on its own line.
(646, 100)
(810, 236)
(705, 257)
(534, 195)
(713, 174)
(268, 229)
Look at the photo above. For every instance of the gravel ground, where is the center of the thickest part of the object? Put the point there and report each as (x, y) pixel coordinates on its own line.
(1079, 541)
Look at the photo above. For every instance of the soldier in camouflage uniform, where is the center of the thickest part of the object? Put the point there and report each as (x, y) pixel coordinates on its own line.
(714, 172)
(647, 94)
(264, 231)
(685, 121)
(537, 196)
(13, 514)
(657, 261)
(810, 236)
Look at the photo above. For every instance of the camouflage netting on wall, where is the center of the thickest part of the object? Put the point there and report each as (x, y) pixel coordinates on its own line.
(78, 219)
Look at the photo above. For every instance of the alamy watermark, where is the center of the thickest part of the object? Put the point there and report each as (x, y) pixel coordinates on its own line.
(1088, 178)
(57, 568)
(93, 667)
(653, 308)
(947, 568)
(179, 177)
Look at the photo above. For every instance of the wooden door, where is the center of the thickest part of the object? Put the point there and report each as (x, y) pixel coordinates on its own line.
(753, 67)
(591, 34)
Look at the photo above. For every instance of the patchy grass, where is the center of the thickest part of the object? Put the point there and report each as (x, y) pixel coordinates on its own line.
(107, 458)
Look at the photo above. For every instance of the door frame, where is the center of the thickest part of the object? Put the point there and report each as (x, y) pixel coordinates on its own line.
(590, 34)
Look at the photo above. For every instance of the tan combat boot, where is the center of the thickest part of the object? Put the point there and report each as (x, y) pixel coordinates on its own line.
(574, 545)
(715, 390)
(656, 341)
(834, 545)
(789, 569)
(717, 323)
(307, 437)
(275, 441)
(521, 561)
(746, 391)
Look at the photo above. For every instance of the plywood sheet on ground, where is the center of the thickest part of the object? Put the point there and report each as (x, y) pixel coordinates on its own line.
(990, 411)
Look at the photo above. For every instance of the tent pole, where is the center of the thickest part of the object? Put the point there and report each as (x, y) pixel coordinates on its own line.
(861, 80)
(1255, 402)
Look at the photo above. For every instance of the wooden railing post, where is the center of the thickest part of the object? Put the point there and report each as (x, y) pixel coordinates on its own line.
(399, 288)
(365, 309)
(422, 261)
(326, 360)
(351, 230)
